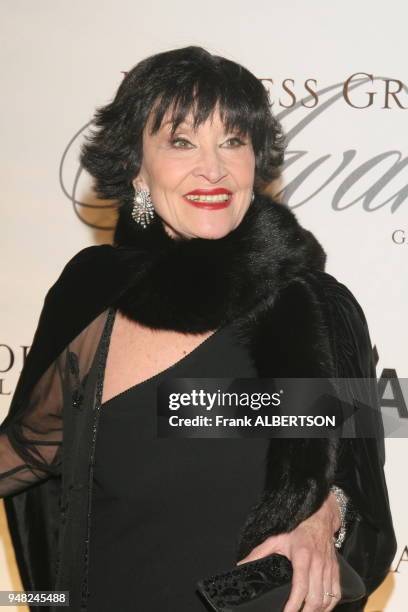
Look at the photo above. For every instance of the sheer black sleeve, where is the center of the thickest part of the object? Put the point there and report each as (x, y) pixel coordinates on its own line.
(31, 434)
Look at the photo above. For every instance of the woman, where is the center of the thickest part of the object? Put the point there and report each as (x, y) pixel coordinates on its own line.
(207, 278)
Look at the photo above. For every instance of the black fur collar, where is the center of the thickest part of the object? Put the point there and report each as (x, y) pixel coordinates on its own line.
(197, 285)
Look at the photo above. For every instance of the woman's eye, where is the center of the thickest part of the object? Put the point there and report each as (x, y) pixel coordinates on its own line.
(175, 142)
(235, 139)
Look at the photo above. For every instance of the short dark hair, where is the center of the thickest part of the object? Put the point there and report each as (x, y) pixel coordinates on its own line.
(186, 80)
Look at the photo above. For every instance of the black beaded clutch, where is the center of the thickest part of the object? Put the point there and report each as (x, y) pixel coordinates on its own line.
(265, 584)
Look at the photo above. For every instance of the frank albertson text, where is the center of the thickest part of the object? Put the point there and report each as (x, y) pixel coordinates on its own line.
(274, 420)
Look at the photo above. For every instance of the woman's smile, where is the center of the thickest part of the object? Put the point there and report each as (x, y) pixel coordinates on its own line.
(209, 199)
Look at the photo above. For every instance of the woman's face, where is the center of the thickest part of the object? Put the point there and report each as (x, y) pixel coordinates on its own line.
(209, 160)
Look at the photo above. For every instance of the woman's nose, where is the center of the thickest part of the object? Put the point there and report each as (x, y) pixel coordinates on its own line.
(210, 165)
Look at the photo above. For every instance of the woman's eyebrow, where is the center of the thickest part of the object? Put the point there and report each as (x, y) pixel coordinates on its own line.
(187, 123)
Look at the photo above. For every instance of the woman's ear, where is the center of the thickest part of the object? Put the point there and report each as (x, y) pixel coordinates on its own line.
(139, 183)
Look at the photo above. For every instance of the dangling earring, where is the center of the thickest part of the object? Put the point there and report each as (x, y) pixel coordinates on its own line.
(252, 197)
(143, 210)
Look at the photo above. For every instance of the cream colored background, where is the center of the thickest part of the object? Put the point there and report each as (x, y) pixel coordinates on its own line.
(62, 58)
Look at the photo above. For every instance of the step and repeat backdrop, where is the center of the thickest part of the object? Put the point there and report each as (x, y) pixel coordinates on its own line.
(337, 79)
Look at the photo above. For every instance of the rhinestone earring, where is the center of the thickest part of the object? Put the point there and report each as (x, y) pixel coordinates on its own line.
(143, 210)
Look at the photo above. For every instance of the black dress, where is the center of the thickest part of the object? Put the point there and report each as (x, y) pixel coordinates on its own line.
(166, 512)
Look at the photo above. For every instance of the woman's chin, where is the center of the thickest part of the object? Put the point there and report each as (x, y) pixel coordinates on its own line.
(212, 232)
(207, 227)
(212, 225)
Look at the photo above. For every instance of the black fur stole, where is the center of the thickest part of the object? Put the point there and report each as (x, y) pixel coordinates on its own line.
(198, 284)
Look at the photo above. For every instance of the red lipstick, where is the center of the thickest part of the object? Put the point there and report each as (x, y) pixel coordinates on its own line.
(209, 192)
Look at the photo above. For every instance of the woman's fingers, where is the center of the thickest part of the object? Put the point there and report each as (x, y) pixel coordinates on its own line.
(315, 570)
(313, 576)
(335, 584)
(300, 581)
(314, 601)
(328, 601)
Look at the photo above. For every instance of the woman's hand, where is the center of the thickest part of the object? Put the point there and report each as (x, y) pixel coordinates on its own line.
(310, 548)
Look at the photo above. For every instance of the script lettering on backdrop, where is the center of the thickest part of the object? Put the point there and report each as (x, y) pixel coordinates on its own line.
(380, 94)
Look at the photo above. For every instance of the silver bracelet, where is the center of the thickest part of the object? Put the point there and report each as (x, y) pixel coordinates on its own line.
(342, 501)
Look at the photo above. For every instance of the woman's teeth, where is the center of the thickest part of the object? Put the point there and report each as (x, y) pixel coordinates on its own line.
(222, 197)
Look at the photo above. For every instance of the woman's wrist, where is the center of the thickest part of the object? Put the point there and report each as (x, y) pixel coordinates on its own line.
(340, 525)
(334, 512)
